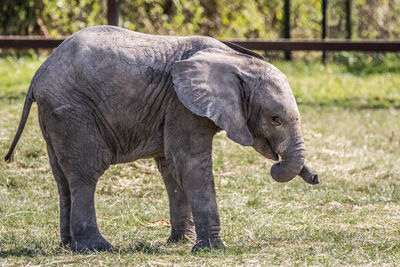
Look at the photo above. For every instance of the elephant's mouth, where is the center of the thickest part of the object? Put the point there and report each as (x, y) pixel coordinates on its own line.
(263, 146)
(268, 152)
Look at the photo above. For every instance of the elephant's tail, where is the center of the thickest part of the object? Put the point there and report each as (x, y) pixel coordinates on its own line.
(25, 113)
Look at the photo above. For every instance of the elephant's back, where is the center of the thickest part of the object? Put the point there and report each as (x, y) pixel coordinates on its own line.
(109, 60)
(112, 59)
(116, 65)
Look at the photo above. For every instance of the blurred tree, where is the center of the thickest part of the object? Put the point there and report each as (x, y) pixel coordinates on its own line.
(307, 19)
(64, 17)
(223, 18)
(378, 19)
(19, 17)
(59, 17)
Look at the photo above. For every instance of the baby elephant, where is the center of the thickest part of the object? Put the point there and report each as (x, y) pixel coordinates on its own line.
(109, 95)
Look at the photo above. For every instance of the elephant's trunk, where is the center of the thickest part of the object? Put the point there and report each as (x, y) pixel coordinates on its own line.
(292, 161)
(308, 175)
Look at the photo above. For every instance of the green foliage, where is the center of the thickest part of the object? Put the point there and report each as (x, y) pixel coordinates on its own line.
(58, 18)
(19, 17)
(306, 19)
(370, 19)
(225, 19)
(64, 17)
(376, 19)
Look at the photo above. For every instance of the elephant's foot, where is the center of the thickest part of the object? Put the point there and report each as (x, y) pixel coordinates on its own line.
(65, 241)
(93, 243)
(182, 237)
(213, 243)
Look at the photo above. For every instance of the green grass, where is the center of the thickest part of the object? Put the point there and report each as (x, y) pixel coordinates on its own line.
(15, 76)
(351, 218)
(316, 84)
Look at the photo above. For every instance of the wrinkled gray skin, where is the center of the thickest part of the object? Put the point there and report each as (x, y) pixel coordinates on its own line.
(109, 95)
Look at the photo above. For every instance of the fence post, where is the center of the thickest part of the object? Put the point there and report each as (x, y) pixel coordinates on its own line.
(286, 26)
(112, 12)
(324, 26)
(348, 19)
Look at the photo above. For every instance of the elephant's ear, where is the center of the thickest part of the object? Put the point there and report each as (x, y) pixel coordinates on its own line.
(209, 85)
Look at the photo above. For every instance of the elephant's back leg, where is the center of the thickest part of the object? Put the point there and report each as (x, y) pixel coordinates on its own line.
(64, 194)
(79, 156)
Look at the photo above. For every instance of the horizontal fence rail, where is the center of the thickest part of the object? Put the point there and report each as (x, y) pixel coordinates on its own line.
(321, 45)
(23, 42)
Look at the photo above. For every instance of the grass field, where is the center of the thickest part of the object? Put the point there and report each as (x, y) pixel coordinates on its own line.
(351, 126)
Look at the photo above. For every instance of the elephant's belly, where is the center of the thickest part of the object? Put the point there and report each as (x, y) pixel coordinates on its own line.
(136, 141)
(152, 151)
(137, 124)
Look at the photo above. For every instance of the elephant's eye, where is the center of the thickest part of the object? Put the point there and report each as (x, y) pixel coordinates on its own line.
(275, 120)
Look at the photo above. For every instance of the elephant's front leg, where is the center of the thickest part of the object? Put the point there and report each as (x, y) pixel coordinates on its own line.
(179, 206)
(198, 184)
(188, 149)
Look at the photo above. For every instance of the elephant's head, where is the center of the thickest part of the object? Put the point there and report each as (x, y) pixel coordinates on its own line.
(251, 100)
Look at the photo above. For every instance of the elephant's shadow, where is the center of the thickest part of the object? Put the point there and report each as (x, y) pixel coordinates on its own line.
(142, 246)
(23, 252)
(135, 247)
